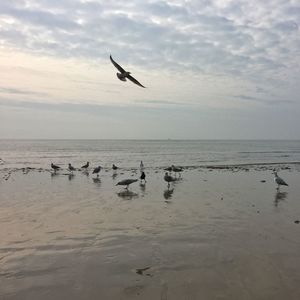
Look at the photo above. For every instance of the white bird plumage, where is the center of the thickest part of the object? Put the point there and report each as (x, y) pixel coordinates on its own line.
(126, 182)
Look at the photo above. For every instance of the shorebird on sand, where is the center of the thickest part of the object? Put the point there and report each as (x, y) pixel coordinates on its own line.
(54, 167)
(124, 74)
(71, 168)
(143, 176)
(85, 166)
(114, 167)
(126, 182)
(278, 180)
(97, 170)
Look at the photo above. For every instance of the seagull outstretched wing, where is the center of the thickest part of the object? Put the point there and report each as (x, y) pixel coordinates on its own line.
(117, 65)
(134, 81)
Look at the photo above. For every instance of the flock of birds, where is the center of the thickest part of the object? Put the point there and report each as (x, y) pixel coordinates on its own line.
(126, 182)
(123, 75)
(167, 177)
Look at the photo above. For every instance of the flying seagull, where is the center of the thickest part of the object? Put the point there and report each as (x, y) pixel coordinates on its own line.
(124, 74)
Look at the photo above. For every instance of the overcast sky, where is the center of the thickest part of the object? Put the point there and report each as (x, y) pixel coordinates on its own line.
(215, 69)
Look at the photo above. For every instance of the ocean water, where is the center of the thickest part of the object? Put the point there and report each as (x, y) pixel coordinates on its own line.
(153, 153)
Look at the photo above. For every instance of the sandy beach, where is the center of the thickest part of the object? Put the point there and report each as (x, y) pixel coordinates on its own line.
(217, 233)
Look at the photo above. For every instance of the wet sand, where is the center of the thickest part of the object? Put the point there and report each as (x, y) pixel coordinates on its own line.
(215, 234)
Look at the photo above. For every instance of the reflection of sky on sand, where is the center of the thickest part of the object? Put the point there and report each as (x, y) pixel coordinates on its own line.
(279, 196)
(96, 238)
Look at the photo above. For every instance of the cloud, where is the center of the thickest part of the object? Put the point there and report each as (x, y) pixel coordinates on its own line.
(37, 17)
(190, 53)
(161, 102)
(15, 91)
(263, 101)
(206, 36)
(91, 109)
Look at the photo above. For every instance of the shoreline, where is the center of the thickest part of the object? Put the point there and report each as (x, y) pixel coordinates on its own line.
(185, 167)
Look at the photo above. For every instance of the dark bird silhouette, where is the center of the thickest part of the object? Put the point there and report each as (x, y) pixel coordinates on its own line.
(71, 168)
(169, 169)
(114, 167)
(97, 170)
(143, 176)
(54, 167)
(124, 74)
(126, 182)
(86, 165)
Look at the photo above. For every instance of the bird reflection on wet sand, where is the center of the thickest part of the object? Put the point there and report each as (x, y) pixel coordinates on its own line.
(143, 187)
(97, 181)
(71, 176)
(114, 175)
(168, 193)
(53, 174)
(86, 173)
(279, 196)
(127, 195)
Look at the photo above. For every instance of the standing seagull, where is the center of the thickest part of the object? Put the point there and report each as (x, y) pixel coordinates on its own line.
(124, 74)
(143, 177)
(126, 182)
(85, 166)
(54, 167)
(97, 170)
(71, 168)
(279, 181)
